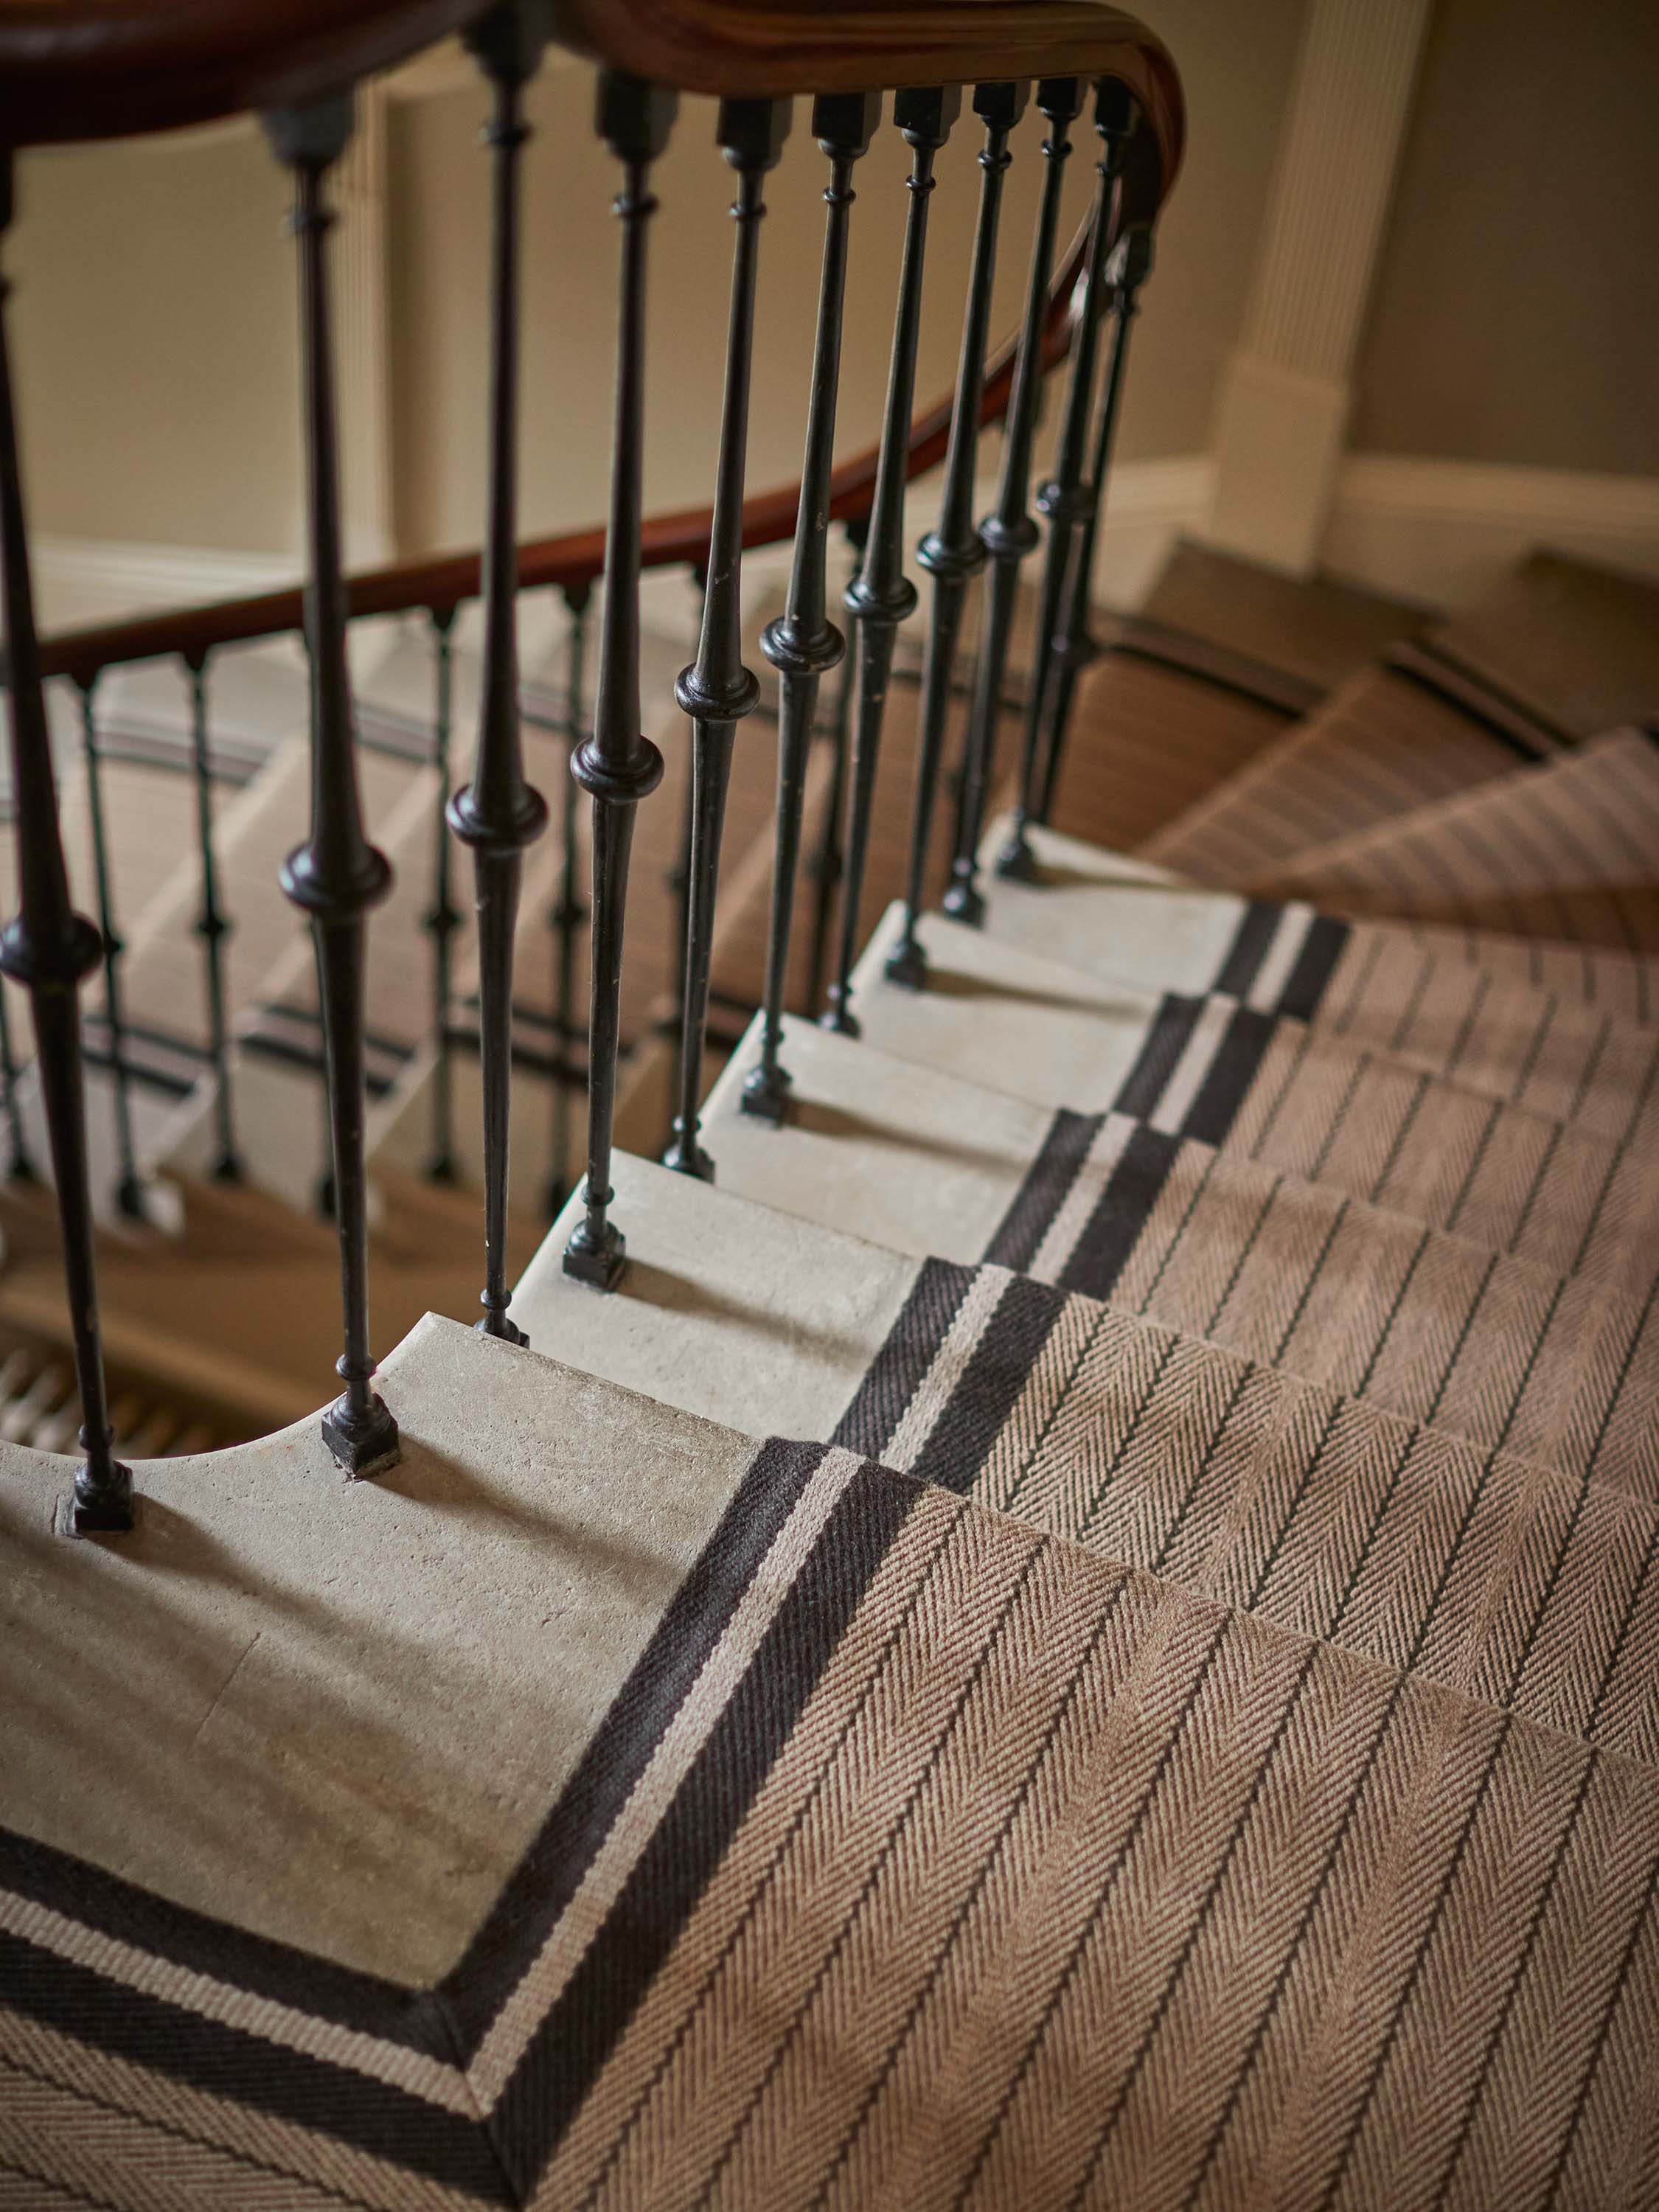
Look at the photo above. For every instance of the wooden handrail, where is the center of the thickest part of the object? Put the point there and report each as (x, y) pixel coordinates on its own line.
(576, 558)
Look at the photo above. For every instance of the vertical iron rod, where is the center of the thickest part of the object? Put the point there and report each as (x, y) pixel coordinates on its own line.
(498, 814)
(1009, 532)
(212, 927)
(337, 876)
(441, 918)
(50, 950)
(717, 690)
(566, 914)
(1073, 649)
(952, 553)
(129, 1191)
(618, 765)
(803, 644)
(1065, 499)
(679, 882)
(828, 862)
(882, 596)
(20, 1167)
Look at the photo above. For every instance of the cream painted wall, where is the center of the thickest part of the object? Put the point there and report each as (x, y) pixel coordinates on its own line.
(155, 335)
(1515, 316)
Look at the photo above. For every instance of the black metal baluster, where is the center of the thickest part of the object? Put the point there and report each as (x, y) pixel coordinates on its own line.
(498, 814)
(828, 863)
(1065, 500)
(953, 552)
(1009, 533)
(212, 927)
(337, 875)
(618, 765)
(20, 1167)
(441, 918)
(881, 595)
(129, 1191)
(802, 645)
(717, 690)
(566, 914)
(50, 950)
(1073, 647)
(677, 881)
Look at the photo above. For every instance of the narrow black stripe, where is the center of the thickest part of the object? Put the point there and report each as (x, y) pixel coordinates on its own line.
(1165, 1041)
(1226, 1086)
(895, 1374)
(974, 1417)
(1326, 942)
(573, 2042)
(1125, 1206)
(1040, 1197)
(697, 1616)
(1242, 963)
(333, 2100)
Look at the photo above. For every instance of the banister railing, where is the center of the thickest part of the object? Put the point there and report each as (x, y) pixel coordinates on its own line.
(94, 67)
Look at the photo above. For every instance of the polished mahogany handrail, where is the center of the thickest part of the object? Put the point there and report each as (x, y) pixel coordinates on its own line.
(440, 582)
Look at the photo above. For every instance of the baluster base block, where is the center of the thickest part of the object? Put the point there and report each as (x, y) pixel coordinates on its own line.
(838, 1015)
(105, 1508)
(363, 1443)
(964, 902)
(685, 1156)
(765, 1095)
(600, 1263)
(907, 966)
(503, 1330)
(1016, 862)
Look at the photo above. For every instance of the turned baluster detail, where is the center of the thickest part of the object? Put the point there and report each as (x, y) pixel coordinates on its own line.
(618, 766)
(1065, 500)
(213, 928)
(1009, 532)
(50, 950)
(337, 876)
(1073, 647)
(498, 814)
(952, 552)
(803, 644)
(881, 596)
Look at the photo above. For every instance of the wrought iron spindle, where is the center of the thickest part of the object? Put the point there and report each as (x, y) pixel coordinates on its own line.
(1073, 647)
(20, 1167)
(828, 862)
(129, 1191)
(618, 765)
(953, 553)
(441, 919)
(50, 950)
(337, 876)
(212, 927)
(1009, 534)
(1065, 499)
(499, 814)
(717, 690)
(881, 596)
(568, 914)
(802, 644)
(677, 881)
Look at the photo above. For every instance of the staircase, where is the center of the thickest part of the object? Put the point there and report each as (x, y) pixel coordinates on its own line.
(1038, 1587)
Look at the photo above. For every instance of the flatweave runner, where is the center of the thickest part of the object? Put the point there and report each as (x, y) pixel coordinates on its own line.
(924, 1860)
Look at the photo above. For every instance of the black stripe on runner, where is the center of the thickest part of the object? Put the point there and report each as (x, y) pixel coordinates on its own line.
(894, 1375)
(170, 2039)
(996, 1373)
(1322, 948)
(1251, 941)
(1227, 1081)
(1040, 1197)
(1166, 1039)
(551, 1870)
(574, 2040)
(1125, 1206)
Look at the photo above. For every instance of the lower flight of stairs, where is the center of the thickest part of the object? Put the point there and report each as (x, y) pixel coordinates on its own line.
(1080, 1629)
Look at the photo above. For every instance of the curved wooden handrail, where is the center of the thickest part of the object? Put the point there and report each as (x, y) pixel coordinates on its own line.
(571, 560)
(89, 69)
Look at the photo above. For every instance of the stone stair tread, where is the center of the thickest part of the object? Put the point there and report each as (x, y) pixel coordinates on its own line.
(506, 1690)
